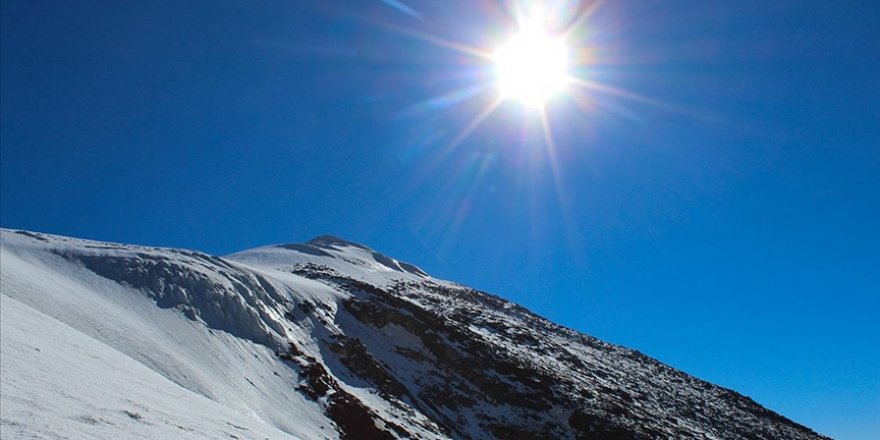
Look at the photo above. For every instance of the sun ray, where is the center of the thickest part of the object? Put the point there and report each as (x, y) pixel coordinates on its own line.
(614, 91)
(550, 145)
(642, 99)
(582, 18)
(441, 42)
(568, 222)
(473, 125)
(542, 58)
(421, 36)
(401, 7)
(446, 100)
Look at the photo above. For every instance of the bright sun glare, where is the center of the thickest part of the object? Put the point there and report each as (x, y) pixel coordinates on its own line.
(532, 66)
(549, 53)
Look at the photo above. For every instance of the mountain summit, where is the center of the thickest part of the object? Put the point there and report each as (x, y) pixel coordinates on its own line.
(323, 340)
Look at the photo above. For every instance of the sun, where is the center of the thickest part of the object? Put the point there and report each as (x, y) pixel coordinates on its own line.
(532, 66)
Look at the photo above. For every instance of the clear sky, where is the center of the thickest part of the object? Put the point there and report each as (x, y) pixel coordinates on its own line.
(714, 200)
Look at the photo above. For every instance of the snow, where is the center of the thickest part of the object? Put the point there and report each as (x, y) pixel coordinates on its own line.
(339, 255)
(60, 383)
(113, 350)
(103, 340)
(92, 333)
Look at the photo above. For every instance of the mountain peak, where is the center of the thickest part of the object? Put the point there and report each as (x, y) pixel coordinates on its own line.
(333, 241)
(334, 252)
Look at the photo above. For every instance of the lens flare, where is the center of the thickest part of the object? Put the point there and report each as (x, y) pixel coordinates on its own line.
(549, 58)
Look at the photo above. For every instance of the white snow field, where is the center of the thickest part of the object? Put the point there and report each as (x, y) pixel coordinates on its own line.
(60, 383)
(323, 340)
(84, 357)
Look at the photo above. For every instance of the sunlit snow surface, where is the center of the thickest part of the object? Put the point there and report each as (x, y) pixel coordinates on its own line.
(322, 340)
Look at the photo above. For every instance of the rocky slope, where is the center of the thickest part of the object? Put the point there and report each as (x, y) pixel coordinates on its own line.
(330, 339)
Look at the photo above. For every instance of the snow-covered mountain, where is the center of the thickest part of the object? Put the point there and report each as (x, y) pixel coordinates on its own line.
(323, 340)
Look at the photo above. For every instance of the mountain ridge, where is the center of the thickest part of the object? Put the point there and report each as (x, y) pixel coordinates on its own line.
(363, 347)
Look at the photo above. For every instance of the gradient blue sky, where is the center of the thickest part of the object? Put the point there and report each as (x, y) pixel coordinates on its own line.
(729, 227)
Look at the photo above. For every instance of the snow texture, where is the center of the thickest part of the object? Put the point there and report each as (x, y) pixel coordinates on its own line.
(323, 340)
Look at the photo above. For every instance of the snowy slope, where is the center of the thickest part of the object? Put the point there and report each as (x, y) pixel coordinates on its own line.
(60, 383)
(323, 340)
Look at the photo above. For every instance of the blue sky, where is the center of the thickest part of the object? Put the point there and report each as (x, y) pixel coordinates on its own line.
(727, 222)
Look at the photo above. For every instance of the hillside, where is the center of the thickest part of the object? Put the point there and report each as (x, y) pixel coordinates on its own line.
(323, 340)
